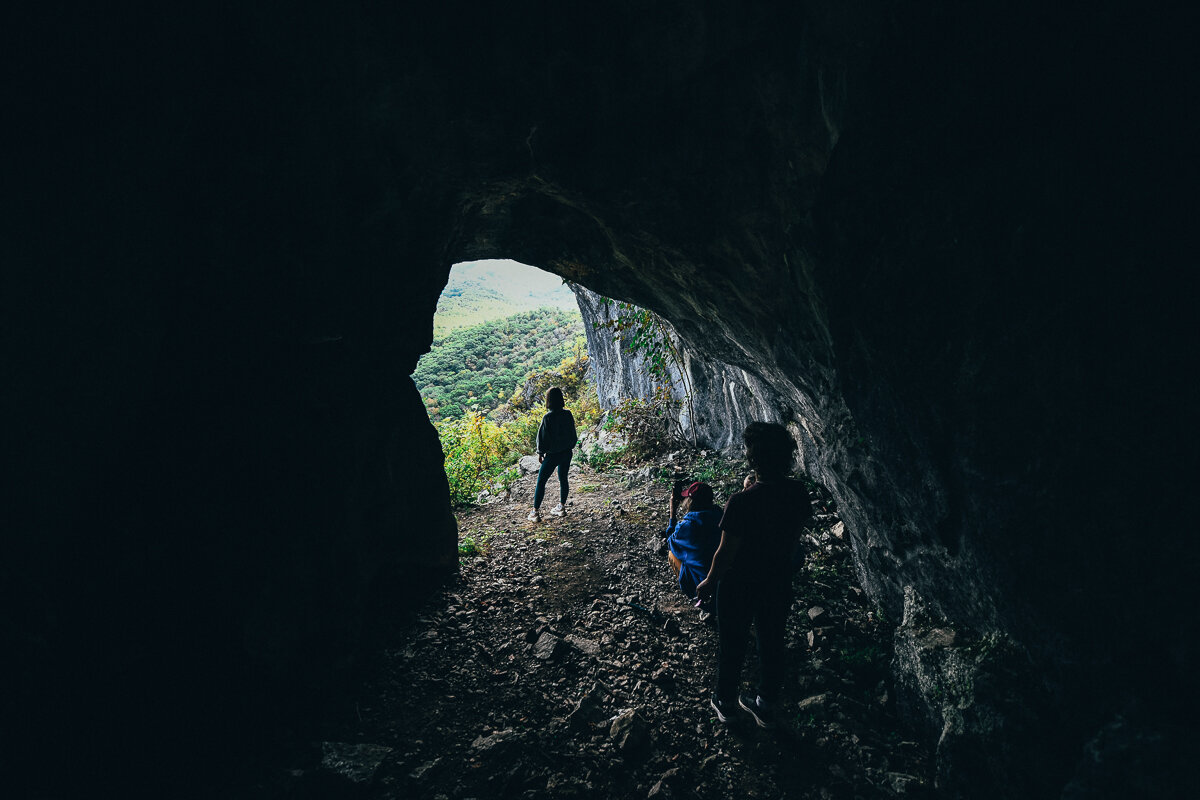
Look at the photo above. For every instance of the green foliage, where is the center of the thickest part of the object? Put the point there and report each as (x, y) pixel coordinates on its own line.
(522, 426)
(474, 369)
(827, 570)
(861, 656)
(723, 474)
(468, 547)
(805, 720)
(506, 478)
(571, 377)
(601, 460)
(480, 450)
(477, 452)
(646, 425)
(713, 470)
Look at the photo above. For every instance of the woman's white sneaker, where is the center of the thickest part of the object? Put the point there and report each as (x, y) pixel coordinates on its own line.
(558, 510)
(534, 516)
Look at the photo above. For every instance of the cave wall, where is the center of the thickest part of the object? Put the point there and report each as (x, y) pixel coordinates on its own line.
(214, 299)
(943, 236)
(618, 373)
(916, 229)
(715, 401)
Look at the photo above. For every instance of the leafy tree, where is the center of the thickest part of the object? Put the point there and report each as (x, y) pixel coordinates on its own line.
(464, 369)
(480, 449)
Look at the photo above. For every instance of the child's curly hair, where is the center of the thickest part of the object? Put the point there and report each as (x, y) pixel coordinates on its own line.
(769, 448)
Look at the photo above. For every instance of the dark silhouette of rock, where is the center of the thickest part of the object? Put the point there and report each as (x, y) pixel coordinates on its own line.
(547, 646)
(586, 646)
(628, 732)
(357, 763)
(662, 787)
(500, 741)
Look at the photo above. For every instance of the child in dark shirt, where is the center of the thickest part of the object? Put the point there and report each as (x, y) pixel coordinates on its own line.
(751, 572)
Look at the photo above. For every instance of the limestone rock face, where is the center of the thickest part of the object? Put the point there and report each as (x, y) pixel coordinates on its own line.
(716, 400)
(617, 372)
(950, 269)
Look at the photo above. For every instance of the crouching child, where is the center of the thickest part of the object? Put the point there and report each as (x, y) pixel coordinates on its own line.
(693, 533)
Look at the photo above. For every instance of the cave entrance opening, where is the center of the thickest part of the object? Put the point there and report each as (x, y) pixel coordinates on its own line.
(504, 333)
(507, 332)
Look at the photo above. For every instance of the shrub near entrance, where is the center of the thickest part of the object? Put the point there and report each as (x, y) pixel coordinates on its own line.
(479, 449)
(479, 453)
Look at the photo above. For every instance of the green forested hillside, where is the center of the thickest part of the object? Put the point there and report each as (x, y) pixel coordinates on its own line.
(482, 291)
(480, 366)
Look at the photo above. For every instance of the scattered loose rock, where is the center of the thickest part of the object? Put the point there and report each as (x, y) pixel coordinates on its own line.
(420, 772)
(583, 711)
(660, 789)
(547, 646)
(356, 763)
(499, 739)
(582, 671)
(585, 646)
(629, 733)
(817, 702)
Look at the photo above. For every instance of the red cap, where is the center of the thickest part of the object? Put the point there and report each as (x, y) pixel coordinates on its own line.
(700, 490)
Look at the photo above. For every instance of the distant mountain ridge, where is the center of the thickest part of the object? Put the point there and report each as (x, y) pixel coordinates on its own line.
(483, 291)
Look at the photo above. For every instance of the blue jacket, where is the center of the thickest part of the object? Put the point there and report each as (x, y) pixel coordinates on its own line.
(693, 540)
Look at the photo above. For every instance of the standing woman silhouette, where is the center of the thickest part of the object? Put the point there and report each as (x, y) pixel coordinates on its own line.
(556, 438)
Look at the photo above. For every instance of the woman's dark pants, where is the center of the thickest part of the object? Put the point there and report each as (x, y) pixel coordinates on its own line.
(561, 462)
(765, 602)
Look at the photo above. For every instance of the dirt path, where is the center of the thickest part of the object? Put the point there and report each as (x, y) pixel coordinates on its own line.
(565, 662)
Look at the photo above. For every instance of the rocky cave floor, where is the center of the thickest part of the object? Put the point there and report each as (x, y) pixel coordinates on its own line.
(564, 662)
